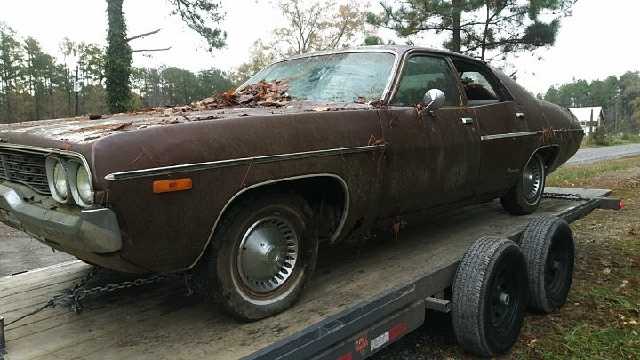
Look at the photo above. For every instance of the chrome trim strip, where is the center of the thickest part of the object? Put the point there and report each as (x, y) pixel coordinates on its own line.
(556, 146)
(263, 159)
(49, 152)
(568, 130)
(507, 135)
(335, 235)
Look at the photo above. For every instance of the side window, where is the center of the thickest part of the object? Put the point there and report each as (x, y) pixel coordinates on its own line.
(479, 84)
(421, 74)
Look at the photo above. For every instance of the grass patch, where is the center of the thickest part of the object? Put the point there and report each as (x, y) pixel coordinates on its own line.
(580, 175)
(610, 140)
(586, 341)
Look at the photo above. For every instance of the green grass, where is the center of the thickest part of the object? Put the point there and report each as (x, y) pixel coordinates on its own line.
(585, 341)
(573, 175)
(611, 140)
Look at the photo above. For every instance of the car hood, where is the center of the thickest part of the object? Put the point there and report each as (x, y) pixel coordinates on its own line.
(87, 129)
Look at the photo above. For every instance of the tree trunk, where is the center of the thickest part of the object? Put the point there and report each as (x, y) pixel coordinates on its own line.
(456, 12)
(118, 59)
(485, 32)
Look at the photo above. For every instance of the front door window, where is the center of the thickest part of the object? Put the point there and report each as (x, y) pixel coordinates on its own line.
(421, 74)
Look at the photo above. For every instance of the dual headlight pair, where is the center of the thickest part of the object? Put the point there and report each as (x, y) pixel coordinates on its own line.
(69, 179)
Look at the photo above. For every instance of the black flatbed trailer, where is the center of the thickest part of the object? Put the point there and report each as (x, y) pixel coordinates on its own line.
(359, 302)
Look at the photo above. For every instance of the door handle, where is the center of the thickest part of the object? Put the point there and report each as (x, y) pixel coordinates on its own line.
(520, 115)
(467, 120)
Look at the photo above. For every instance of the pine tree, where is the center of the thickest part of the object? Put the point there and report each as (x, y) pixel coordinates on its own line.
(480, 28)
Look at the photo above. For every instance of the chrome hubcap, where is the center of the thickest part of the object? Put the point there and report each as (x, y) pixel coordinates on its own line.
(268, 254)
(532, 178)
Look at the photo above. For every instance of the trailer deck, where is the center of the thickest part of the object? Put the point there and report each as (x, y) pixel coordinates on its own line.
(359, 300)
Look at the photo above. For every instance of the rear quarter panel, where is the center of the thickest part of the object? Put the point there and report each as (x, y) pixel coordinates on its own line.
(554, 126)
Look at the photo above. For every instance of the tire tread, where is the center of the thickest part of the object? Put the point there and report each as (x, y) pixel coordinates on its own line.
(469, 287)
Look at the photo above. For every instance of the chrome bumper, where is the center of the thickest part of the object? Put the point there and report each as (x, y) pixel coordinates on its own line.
(69, 230)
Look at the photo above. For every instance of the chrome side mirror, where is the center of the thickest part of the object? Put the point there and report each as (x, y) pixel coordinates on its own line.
(433, 99)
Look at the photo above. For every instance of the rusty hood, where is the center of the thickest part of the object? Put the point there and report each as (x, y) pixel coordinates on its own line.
(71, 132)
(169, 136)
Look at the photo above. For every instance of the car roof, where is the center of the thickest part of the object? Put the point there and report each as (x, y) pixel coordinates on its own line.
(397, 49)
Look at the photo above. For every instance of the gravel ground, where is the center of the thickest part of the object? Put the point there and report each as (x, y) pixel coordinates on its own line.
(19, 252)
(591, 155)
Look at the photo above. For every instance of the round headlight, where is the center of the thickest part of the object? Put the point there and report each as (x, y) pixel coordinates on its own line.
(59, 180)
(83, 185)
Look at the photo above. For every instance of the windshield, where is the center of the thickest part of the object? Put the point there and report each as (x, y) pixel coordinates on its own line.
(341, 77)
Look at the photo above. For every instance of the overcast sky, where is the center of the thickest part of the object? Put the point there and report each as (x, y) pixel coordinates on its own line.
(597, 41)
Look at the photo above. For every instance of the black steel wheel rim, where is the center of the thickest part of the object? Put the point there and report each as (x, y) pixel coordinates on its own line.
(505, 300)
(557, 265)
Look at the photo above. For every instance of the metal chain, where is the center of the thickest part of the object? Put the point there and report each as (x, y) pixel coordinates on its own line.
(571, 197)
(72, 298)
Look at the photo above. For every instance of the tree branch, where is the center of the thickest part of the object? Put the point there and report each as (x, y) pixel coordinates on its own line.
(143, 35)
(151, 50)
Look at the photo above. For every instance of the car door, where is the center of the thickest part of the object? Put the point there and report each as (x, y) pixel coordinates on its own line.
(431, 158)
(501, 126)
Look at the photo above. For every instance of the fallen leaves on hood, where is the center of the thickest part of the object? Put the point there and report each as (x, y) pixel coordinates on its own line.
(270, 94)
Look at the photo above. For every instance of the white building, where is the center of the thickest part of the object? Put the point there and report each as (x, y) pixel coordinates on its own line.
(590, 118)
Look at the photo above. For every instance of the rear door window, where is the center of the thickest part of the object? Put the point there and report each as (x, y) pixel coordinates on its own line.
(479, 84)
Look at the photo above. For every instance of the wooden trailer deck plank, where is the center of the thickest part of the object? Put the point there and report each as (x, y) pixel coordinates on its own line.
(159, 322)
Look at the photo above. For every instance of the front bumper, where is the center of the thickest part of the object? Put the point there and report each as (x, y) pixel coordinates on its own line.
(72, 230)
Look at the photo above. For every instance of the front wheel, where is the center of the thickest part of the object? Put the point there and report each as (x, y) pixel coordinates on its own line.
(524, 197)
(262, 255)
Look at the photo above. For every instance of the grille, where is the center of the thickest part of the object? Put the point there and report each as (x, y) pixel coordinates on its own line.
(26, 168)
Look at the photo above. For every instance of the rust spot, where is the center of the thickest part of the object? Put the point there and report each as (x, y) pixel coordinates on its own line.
(105, 127)
(375, 141)
(378, 104)
(547, 135)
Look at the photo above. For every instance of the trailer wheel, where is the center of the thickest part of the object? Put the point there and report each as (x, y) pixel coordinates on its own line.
(524, 197)
(489, 296)
(261, 256)
(548, 247)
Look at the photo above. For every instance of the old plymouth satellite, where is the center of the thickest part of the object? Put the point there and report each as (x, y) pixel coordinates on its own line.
(244, 187)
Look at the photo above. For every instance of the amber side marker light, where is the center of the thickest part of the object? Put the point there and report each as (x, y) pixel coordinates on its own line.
(165, 186)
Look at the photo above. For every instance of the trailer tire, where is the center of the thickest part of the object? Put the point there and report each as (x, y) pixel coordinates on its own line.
(236, 258)
(525, 196)
(489, 296)
(548, 247)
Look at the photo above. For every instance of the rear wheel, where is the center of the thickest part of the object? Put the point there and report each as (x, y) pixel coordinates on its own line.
(548, 247)
(262, 255)
(525, 196)
(489, 296)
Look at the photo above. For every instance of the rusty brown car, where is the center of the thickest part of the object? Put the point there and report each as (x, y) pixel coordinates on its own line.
(244, 188)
